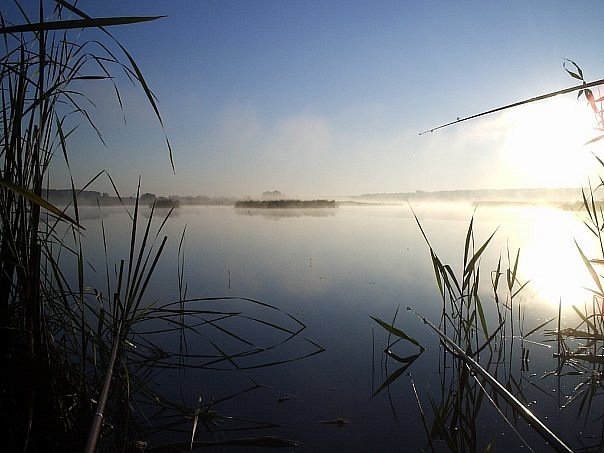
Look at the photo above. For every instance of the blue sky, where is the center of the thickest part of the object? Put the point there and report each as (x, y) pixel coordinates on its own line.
(328, 97)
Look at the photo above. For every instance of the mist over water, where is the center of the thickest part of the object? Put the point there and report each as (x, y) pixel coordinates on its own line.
(333, 269)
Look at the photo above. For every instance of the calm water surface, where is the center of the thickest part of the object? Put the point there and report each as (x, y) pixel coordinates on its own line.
(332, 270)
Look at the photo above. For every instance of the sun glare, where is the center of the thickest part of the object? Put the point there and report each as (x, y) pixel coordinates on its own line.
(551, 260)
(544, 143)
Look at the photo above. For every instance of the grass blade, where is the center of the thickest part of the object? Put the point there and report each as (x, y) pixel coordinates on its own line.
(397, 332)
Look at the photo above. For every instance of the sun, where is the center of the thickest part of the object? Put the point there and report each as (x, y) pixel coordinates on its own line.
(544, 144)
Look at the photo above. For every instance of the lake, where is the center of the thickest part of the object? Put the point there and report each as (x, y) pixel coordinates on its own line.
(332, 270)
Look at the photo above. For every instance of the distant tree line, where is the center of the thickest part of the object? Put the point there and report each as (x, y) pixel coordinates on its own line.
(92, 197)
(286, 204)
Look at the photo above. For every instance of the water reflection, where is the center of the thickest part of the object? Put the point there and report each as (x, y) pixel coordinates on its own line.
(549, 257)
(331, 269)
(276, 214)
(484, 366)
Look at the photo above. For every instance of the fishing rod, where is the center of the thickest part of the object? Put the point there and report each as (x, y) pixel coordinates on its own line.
(98, 419)
(516, 104)
(547, 434)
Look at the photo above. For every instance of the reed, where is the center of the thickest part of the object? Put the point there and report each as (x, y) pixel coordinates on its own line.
(477, 346)
(581, 348)
(83, 358)
(473, 349)
(40, 65)
(131, 345)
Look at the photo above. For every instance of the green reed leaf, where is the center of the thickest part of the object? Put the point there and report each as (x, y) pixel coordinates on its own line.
(573, 74)
(392, 377)
(481, 315)
(437, 272)
(38, 201)
(590, 268)
(397, 332)
(478, 254)
(469, 235)
(489, 340)
(512, 276)
(75, 24)
(520, 289)
(137, 72)
(586, 320)
(577, 74)
(449, 274)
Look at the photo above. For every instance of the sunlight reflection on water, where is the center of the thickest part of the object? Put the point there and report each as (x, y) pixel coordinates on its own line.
(549, 257)
(333, 272)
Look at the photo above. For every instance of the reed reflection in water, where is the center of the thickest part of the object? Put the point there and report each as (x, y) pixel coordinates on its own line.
(332, 272)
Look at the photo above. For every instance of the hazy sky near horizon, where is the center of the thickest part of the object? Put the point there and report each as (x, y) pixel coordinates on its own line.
(328, 97)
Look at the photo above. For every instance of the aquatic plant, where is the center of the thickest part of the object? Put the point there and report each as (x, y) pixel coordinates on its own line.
(472, 349)
(285, 204)
(135, 336)
(78, 354)
(580, 349)
(477, 345)
(40, 66)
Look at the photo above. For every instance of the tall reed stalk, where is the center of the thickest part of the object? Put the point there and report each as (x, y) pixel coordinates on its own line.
(581, 348)
(80, 357)
(466, 336)
(41, 63)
